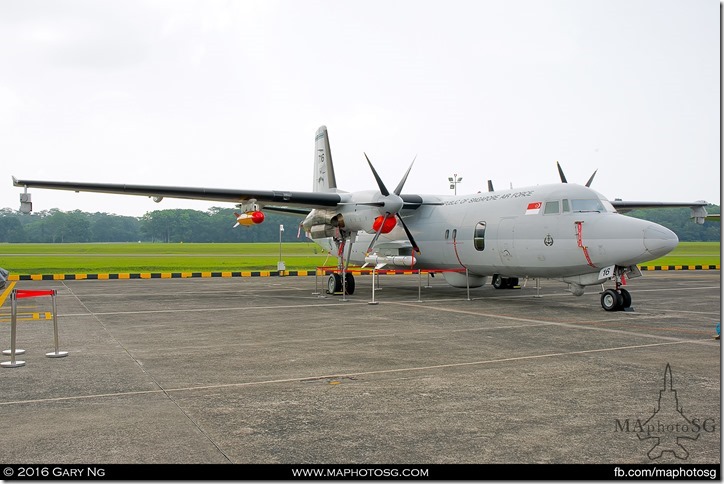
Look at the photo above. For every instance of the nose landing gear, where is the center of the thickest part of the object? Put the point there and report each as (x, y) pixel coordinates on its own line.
(618, 299)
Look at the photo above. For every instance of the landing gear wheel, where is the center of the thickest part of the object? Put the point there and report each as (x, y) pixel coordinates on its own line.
(497, 281)
(334, 284)
(500, 282)
(611, 300)
(349, 282)
(626, 299)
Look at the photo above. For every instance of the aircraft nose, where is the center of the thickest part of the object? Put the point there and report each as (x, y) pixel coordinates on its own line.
(659, 240)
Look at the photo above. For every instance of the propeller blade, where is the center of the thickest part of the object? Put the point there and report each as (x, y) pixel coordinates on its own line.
(590, 180)
(560, 172)
(409, 235)
(377, 234)
(398, 190)
(383, 189)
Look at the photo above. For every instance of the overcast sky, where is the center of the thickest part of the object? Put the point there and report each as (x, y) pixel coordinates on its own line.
(230, 93)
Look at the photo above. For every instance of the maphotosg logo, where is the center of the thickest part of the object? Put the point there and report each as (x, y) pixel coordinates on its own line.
(668, 430)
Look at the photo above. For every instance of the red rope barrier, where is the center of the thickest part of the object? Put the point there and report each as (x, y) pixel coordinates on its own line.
(21, 293)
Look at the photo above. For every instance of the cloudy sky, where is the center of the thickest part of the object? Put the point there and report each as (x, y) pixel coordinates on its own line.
(230, 93)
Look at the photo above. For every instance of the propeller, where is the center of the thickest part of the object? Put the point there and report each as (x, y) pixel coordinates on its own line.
(563, 176)
(392, 203)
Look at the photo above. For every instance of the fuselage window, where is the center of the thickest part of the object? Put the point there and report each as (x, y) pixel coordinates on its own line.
(479, 238)
(447, 234)
(552, 207)
(455, 234)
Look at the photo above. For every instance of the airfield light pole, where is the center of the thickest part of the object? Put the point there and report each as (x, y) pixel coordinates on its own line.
(454, 180)
(280, 265)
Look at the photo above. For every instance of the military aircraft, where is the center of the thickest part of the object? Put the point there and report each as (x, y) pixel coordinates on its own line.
(558, 231)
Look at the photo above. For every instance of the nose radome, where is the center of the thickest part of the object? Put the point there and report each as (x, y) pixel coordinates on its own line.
(659, 240)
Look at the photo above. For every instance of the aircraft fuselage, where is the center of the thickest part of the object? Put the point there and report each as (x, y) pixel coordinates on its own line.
(554, 231)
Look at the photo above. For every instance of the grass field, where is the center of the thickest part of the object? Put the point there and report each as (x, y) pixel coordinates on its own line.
(115, 258)
(132, 257)
(691, 254)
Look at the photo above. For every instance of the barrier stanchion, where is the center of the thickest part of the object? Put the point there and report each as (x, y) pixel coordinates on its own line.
(316, 283)
(57, 353)
(13, 325)
(467, 282)
(19, 294)
(373, 302)
(13, 363)
(419, 285)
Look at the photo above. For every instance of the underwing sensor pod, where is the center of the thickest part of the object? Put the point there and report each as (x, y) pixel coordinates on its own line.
(248, 218)
(252, 214)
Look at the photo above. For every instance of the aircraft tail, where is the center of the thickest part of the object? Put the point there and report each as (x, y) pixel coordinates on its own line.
(324, 180)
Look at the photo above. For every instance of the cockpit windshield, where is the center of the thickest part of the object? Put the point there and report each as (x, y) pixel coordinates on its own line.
(587, 205)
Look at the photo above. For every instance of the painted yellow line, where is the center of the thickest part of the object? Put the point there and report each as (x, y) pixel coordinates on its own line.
(28, 317)
(6, 293)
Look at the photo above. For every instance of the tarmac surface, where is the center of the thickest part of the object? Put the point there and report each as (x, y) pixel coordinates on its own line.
(261, 370)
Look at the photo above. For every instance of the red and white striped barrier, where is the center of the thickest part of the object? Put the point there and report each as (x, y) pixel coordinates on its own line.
(13, 351)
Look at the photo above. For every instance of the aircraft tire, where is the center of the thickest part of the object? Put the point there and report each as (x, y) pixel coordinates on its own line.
(334, 284)
(611, 300)
(626, 299)
(498, 281)
(349, 282)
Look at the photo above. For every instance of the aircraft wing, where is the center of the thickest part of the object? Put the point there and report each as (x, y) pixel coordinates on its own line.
(297, 202)
(625, 206)
(698, 208)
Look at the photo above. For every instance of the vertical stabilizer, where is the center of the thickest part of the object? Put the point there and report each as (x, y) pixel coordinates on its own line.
(324, 180)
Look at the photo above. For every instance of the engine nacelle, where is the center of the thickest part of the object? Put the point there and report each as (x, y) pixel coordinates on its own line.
(321, 231)
(356, 221)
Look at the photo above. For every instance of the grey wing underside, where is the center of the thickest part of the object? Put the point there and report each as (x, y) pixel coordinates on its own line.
(284, 201)
(698, 208)
(280, 201)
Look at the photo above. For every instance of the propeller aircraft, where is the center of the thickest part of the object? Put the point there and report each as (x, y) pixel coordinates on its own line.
(560, 231)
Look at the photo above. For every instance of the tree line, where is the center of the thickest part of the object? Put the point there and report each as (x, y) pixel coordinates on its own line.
(175, 225)
(215, 225)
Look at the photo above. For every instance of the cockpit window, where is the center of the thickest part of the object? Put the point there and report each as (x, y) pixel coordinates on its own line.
(587, 205)
(552, 207)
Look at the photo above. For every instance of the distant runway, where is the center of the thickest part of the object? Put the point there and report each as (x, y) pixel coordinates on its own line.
(261, 370)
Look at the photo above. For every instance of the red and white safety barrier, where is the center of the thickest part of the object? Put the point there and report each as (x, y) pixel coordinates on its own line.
(13, 351)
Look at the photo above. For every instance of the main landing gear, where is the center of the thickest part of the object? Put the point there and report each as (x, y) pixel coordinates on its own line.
(343, 277)
(500, 282)
(334, 284)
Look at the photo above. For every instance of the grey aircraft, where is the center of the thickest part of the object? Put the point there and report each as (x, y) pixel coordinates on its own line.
(560, 231)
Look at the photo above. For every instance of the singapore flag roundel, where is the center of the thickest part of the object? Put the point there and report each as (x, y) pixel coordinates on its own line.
(533, 208)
